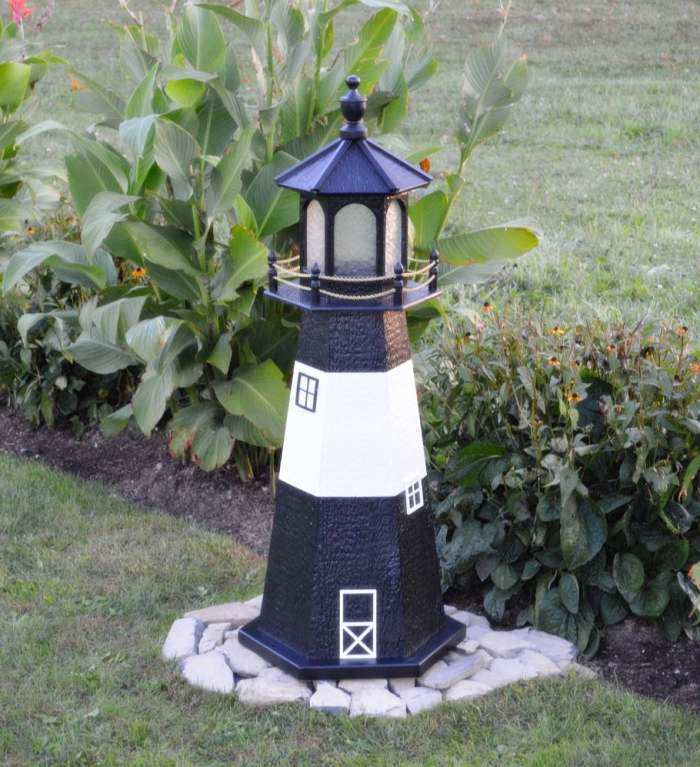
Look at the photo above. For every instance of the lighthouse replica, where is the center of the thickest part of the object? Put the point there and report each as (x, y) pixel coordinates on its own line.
(353, 584)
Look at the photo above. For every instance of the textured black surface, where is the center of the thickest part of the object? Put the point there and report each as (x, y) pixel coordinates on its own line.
(322, 545)
(329, 341)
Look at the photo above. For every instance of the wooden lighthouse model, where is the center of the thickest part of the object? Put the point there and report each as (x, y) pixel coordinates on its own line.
(353, 585)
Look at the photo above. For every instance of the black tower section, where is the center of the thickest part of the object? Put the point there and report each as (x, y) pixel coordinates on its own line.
(322, 545)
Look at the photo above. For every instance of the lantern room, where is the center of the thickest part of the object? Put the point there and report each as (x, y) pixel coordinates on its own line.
(353, 215)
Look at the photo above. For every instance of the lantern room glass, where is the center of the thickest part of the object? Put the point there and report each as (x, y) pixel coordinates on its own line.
(315, 236)
(393, 247)
(355, 241)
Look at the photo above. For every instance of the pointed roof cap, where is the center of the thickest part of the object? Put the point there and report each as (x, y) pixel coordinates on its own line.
(353, 164)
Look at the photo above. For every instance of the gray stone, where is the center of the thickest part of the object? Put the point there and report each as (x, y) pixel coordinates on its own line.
(274, 674)
(213, 636)
(467, 689)
(468, 646)
(209, 671)
(450, 609)
(555, 648)
(324, 683)
(255, 602)
(182, 639)
(442, 675)
(462, 616)
(331, 700)
(401, 684)
(504, 671)
(539, 663)
(477, 620)
(419, 699)
(242, 661)
(375, 701)
(503, 644)
(585, 672)
(235, 613)
(476, 632)
(358, 685)
(264, 692)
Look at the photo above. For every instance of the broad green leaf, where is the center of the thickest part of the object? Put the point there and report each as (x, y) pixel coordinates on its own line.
(551, 615)
(505, 576)
(100, 100)
(500, 243)
(212, 446)
(242, 430)
(672, 555)
(136, 133)
(117, 421)
(105, 210)
(628, 572)
(98, 355)
(583, 531)
(200, 39)
(653, 597)
(245, 260)
(151, 398)
(198, 430)
(11, 216)
(164, 246)
(226, 179)
(9, 133)
(274, 208)
(175, 151)
(569, 592)
(612, 609)
(257, 392)
(428, 217)
(187, 93)
(220, 356)
(148, 337)
(254, 29)
(141, 102)
(14, 80)
(216, 126)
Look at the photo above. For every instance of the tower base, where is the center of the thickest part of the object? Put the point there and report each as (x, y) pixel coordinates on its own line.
(302, 667)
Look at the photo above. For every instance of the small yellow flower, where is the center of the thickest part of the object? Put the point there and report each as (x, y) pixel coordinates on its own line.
(611, 347)
(487, 307)
(575, 364)
(681, 331)
(139, 273)
(558, 331)
(76, 85)
(574, 397)
(425, 165)
(554, 362)
(31, 231)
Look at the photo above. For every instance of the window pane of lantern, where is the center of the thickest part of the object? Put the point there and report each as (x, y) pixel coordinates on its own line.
(394, 237)
(355, 240)
(315, 236)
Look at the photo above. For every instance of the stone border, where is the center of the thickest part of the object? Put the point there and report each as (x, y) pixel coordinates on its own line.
(205, 643)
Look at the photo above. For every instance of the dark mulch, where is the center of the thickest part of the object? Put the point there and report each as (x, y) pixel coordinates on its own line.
(141, 470)
(634, 653)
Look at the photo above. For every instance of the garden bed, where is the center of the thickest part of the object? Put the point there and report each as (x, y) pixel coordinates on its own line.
(142, 471)
(635, 654)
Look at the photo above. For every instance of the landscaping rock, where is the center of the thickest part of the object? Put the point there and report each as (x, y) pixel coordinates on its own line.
(264, 692)
(255, 602)
(467, 646)
(477, 620)
(583, 671)
(419, 699)
(324, 683)
(467, 689)
(375, 701)
(358, 685)
(450, 609)
(555, 648)
(209, 671)
(400, 684)
(539, 663)
(476, 632)
(214, 635)
(331, 700)
(504, 671)
(242, 661)
(235, 613)
(462, 616)
(502, 644)
(442, 675)
(183, 639)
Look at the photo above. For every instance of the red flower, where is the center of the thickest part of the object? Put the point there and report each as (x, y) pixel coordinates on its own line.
(19, 10)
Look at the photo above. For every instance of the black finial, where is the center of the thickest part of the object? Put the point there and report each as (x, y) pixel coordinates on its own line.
(353, 106)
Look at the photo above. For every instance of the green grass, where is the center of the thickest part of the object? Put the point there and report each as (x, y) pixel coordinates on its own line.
(604, 150)
(88, 588)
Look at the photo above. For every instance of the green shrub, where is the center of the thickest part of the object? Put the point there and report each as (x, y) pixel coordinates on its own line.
(569, 462)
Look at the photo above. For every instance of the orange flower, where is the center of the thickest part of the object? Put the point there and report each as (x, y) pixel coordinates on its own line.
(575, 364)
(76, 85)
(139, 273)
(681, 331)
(425, 165)
(611, 347)
(558, 331)
(574, 397)
(19, 10)
(554, 362)
(487, 307)
(695, 368)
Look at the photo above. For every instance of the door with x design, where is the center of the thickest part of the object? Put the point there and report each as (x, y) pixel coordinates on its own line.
(358, 624)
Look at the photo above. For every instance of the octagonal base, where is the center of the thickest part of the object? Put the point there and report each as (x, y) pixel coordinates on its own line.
(252, 637)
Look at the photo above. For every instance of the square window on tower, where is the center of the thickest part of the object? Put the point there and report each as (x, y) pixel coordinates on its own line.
(414, 496)
(307, 391)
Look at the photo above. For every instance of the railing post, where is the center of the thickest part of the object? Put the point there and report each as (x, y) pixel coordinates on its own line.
(316, 285)
(433, 272)
(272, 271)
(398, 284)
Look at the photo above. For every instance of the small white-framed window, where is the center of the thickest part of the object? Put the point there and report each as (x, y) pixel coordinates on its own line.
(307, 392)
(358, 624)
(414, 496)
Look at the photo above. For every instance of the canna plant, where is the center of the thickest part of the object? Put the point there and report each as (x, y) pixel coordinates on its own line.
(174, 187)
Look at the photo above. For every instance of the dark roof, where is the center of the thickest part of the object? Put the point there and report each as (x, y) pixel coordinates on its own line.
(353, 164)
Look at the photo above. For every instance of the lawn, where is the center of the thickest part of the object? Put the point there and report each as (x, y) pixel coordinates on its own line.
(88, 588)
(604, 150)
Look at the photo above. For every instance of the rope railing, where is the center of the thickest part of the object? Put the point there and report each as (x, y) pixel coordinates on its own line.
(317, 280)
